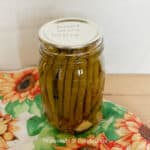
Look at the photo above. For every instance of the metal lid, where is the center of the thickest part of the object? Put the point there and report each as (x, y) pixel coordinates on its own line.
(69, 33)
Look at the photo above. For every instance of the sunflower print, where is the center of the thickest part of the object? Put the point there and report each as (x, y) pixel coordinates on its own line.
(135, 134)
(19, 85)
(15, 87)
(7, 129)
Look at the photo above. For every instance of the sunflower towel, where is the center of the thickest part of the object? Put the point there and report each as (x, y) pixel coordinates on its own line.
(24, 126)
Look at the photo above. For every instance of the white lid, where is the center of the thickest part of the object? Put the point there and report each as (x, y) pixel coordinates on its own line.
(69, 33)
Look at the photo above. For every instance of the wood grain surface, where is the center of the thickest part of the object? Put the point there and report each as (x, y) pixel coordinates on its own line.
(131, 91)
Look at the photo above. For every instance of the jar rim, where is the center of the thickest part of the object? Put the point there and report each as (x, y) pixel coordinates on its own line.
(67, 33)
(97, 47)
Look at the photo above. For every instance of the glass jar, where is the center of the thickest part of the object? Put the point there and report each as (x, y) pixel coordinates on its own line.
(71, 73)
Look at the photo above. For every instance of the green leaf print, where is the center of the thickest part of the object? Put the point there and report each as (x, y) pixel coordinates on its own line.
(35, 125)
(16, 108)
(36, 106)
(46, 138)
(110, 109)
(33, 107)
(34, 110)
(38, 101)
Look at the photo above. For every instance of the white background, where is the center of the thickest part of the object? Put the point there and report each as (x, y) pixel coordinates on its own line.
(125, 25)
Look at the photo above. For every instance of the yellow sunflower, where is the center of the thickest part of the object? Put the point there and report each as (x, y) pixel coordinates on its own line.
(19, 85)
(7, 129)
(135, 135)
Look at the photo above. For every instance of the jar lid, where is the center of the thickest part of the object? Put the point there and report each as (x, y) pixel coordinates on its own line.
(69, 33)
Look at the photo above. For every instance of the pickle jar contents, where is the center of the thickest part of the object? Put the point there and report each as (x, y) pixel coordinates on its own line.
(71, 73)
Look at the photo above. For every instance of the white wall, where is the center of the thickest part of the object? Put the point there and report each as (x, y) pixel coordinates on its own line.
(125, 25)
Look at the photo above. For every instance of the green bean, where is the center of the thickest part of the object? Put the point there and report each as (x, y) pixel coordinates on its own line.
(49, 87)
(55, 76)
(48, 65)
(43, 75)
(97, 83)
(89, 87)
(93, 115)
(57, 63)
(74, 94)
(67, 88)
(47, 108)
(44, 99)
(61, 88)
(96, 77)
(99, 96)
(82, 89)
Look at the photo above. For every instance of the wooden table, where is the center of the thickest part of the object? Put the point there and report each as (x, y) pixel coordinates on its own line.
(130, 91)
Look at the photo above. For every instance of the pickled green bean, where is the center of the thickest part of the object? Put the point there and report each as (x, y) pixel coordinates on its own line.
(55, 76)
(74, 94)
(82, 89)
(60, 83)
(67, 88)
(49, 90)
(57, 63)
(89, 87)
(99, 95)
(43, 74)
(96, 109)
(97, 81)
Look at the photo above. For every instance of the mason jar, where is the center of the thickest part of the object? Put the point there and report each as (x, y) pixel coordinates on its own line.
(71, 73)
